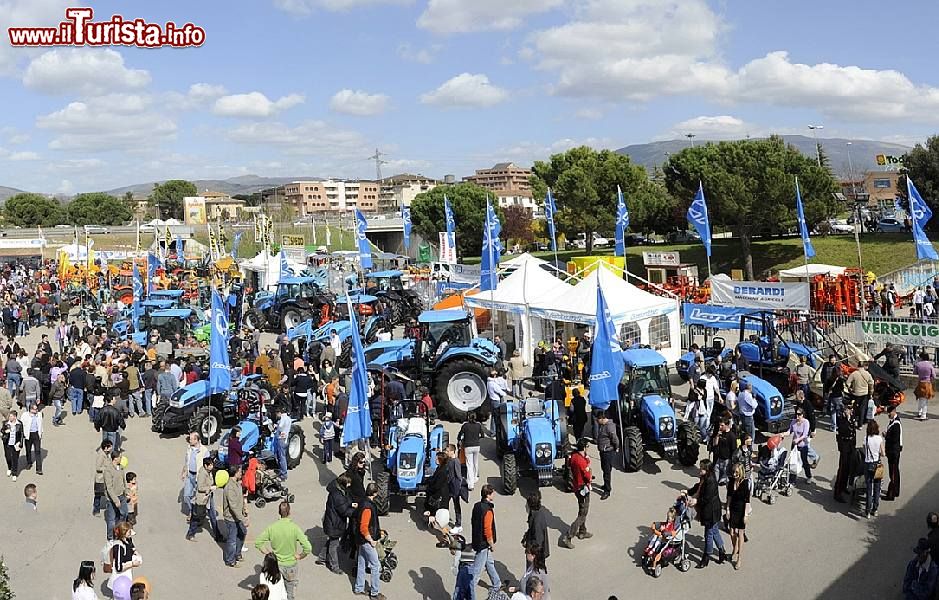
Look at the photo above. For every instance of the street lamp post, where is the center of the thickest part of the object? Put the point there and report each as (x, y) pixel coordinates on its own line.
(690, 137)
(818, 153)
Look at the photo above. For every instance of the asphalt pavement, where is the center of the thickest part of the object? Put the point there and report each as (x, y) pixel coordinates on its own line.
(804, 546)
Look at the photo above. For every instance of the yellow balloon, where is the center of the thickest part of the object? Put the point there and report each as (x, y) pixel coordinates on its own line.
(221, 478)
(124, 462)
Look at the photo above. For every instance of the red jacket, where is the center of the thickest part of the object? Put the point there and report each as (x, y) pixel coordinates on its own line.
(580, 470)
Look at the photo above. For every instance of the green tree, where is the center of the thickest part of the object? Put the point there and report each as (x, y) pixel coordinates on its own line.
(750, 187)
(922, 166)
(6, 592)
(30, 210)
(518, 225)
(168, 196)
(468, 201)
(584, 182)
(98, 208)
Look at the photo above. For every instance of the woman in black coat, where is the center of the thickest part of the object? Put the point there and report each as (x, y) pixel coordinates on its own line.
(339, 507)
(356, 473)
(707, 503)
(537, 532)
(738, 505)
(438, 495)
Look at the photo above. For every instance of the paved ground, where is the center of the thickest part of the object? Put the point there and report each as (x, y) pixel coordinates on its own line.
(804, 546)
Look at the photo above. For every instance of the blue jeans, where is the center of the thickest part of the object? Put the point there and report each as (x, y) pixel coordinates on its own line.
(13, 383)
(189, 489)
(327, 451)
(746, 422)
(194, 523)
(834, 405)
(77, 398)
(57, 417)
(135, 404)
(280, 451)
(114, 436)
(712, 537)
(112, 512)
(484, 561)
(234, 541)
(367, 555)
(804, 455)
(22, 326)
(873, 487)
(148, 401)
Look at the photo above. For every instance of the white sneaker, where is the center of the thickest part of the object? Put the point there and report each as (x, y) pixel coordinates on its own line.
(8, 472)
(456, 530)
(14, 478)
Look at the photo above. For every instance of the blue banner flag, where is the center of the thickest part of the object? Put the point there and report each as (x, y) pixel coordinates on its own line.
(152, 264)
(698, 217)
(219, 366)
(622, 222)
(717, 317)
(179, 247)
(550, 209)
(492, 249)
(606, 362)
(365, 252)
(358, 422)
(406, 218)
(138, 295)
(285, 270)
(807, 247)
(234, 244)
(919, 210)
(451, 222)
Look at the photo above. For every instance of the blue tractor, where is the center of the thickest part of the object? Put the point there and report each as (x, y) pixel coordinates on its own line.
(257, 440)
(773, 413)
(646, 412)
(297, 299)
(370, 325)
(409, 445)
(387, 285)
(446, 357)
(529, 434)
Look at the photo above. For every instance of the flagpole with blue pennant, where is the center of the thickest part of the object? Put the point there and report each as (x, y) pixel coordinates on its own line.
(406, 220)
(808, 250)
(606, 360)
(284, 265)
(365, 252)
(920, 214)
(451, 224)
(551, 209)
(698, 217)
(622, 222)
(358, 420)
(234, 244)
(219, 365)
(492, 251)
(138, 296)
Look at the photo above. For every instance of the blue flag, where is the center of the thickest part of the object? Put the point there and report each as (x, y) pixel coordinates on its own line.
(365, 252)
(358, 422)
(622, 222)
(406, 217)
(234, 244)
(550, 209)
(698, 217)
(807, 247)
(285, 270)
(492, 249)
(451, 222)
(138, 295)
(179, 248)
(152, 264)
(606, 358)
(219, 366)
(920, 215)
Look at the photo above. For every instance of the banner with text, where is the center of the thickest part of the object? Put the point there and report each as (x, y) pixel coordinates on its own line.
(447, 252)
(716, 317)
(898, 332)
(760, 294)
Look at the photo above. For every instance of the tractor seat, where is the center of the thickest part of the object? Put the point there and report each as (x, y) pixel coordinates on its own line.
(412, 425)
(534, 407)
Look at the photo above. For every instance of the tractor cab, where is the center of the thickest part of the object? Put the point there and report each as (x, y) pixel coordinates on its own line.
(645, 375)
(442, 330)
(384, 281)
(175, 296)
(293, 288)
(168, 322)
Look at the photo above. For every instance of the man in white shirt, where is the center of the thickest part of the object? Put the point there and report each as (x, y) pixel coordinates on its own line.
(32, 435)
(336, 345)
(746, 405)
(284, 423)
(495, 389)
(177, 372)
(919, 297)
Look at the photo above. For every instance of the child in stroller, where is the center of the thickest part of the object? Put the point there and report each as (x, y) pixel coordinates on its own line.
(774, 473)
(667, 542)
(263, 485)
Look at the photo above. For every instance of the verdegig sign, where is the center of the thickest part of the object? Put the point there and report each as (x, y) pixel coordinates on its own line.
(760, 294)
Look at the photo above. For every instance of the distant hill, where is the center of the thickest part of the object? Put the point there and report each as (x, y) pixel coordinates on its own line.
(6, 192)
(243, 184)
(863, 152)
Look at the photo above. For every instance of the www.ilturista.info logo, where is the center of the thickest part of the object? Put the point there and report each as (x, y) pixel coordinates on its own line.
(79, 30)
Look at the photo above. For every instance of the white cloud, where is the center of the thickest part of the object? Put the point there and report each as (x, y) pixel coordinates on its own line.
(83, 71)
(305, 7)
(419, 55)
(199, 95)
(80, 164)
(310, 137)
(23, 156)
(461, 16)
(466, 91)
(206, 91)
(253, 105)
(27, 13)
(711, 128)
(589, 114)
(18, 138)
(107, 123)
(526, 152)
(358, 103)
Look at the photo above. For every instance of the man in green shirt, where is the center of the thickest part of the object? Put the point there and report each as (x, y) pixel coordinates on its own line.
(283, 537)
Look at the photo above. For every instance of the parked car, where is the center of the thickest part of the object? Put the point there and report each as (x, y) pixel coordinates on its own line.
(637, 239)
(682, 237)
(63, 226)
(97, 229)
(840, 226)
(147, 228)
(301, 223)
(890, 226)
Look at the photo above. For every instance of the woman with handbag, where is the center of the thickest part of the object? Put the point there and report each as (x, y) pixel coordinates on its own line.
(874, 468)
(738, 510)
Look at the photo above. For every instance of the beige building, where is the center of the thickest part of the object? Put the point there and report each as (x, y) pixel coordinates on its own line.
(316, 196)
(219, 205)
(503, 177)
(400, 190)
(879, 188)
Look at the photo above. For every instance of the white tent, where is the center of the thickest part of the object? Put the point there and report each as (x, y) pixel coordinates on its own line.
(514, 295)
(520, 260)
(641, 317)
(267, 267)
(810, 270)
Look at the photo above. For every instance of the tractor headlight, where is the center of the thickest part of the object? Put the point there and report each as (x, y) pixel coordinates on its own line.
(543, 454)
(775, 402)
(666, 425)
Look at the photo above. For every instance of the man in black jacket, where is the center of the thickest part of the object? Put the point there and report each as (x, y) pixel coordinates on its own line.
(110, 422)
(893, 445)
(847, 440)
(608, 445)
(484, 537)
(708, 507)
(367, 534)
(339, 507)
(455, 485)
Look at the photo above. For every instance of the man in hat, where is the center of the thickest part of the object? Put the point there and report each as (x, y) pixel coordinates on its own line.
(581, 478)
(893, 445)
(919, 582)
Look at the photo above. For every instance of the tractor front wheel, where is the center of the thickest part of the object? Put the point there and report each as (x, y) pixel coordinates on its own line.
(382, 498)
(689, 443)
(207, 422)
(633, 453)
(509, 474)
(296, 445)
(255, 319)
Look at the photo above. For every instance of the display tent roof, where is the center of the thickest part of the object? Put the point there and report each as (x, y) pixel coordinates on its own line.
(520, 260)
(811, 270)
(526, 285)
(579, 303)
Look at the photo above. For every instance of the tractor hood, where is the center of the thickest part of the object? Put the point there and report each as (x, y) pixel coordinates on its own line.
(193, 392)
(340, 327)
(383, 354)
(410, 462)
(538, 430)
(769, 399)
(656, 411)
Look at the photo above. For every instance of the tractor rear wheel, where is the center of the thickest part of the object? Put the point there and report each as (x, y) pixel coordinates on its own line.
(290, 318)
(296, 445)
(509, 474)
(633, 452)
(382, 498)
(371, 335)
(207, 422)
(345, 359)
(255, 319)
(461, 388)
(689, 443)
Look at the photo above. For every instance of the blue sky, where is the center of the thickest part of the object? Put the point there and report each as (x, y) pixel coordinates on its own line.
(312, 87)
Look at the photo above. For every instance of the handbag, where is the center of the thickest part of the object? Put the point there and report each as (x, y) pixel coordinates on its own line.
(879, 471)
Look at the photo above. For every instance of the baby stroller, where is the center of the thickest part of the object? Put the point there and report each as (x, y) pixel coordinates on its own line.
(387, 559)
(668, 546)
(774, 473)
(264, 485)
(857, 483)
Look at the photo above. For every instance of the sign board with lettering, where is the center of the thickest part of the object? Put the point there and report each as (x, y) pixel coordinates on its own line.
(291, 241)
(888, 160)
(880, 332)
(661, 259)
(447, 253)
(760, 294)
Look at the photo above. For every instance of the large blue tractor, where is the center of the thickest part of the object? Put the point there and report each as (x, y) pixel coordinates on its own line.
(447, 358)
(529, 435)
(296, 300)
(403, 303)
(370, 325)
(773, 413)
(646, 412)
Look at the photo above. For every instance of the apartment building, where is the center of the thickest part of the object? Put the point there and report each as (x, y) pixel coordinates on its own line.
(878, 188)
(400, 190)
(510, 184)
(324, 195)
